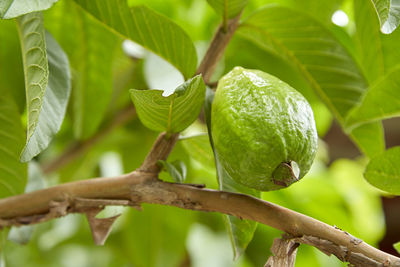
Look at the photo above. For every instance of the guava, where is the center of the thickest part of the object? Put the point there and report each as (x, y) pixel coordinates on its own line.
(263, 130)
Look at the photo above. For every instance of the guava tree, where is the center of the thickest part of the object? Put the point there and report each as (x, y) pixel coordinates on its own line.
(87, 85)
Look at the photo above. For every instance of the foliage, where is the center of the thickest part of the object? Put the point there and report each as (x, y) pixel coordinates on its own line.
(79, 73)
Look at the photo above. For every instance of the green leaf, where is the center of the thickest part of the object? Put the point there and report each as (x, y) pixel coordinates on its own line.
(13, 174)
(397, 246)
(227, 8)
(383, 171)
(55, 101)
(94, 84)
(381, 101)
(368, 40)
(148, 28)
(171, 113)
(177, 169)
(315, 52)
(369, 138)
(14, 8)
(92, 63)
(388, 13)
(240, 231)
(12, 73)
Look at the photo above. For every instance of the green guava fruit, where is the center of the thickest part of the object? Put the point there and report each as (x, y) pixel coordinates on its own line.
(263, 130)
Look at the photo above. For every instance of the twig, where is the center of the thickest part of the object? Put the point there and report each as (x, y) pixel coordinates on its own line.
(138, 188)
(217, 48)
(79, 148)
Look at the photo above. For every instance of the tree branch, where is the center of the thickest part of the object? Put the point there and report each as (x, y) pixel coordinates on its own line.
(79, 148)
(217, 48)
(139, 187)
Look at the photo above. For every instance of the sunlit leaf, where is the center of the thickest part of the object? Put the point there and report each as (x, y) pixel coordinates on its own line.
(13, 174)
(369, 138)
(324, 63)
(383, 171)
(381, 101)
(14, 8)
(55, 101)
(368, 41)
(388, 13)
(148, 28)
(397, 246)
(171, 113)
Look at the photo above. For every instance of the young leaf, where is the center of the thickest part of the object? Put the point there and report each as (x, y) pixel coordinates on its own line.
(388, 13)
(381, 101)
(14, 8)
(318, 56)
(55, 101)
(227, 8)
(149, 29)
(13, 174)
(177, 170)
(171, 113)
(240, 231)
(397, 246)
(383, 171)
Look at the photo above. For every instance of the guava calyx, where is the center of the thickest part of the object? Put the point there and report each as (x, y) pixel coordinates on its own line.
(285, 174)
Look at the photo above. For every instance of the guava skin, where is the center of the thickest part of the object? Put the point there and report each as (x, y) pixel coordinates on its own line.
(263, 130)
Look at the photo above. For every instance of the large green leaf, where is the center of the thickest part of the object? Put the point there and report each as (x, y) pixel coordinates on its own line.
(12, 73)
(388, 13)
(148, 28)
(13, 174)
(318, 56)
(55, 101)
(171, 113)
(14, 8)
(368, 40)
(94, 84)
(92, 63)
(381, 101)
(36, 70)
(240, 231)
(228, 8)
(383, 171)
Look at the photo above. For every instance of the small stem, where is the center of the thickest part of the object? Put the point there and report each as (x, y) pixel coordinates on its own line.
(217, 48)
(78, 148)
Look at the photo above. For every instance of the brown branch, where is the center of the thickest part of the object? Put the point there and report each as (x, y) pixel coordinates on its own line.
(78, 148)
(137, 188)
(217, 48)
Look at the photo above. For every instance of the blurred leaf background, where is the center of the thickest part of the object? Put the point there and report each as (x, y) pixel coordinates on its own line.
(104, 67)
